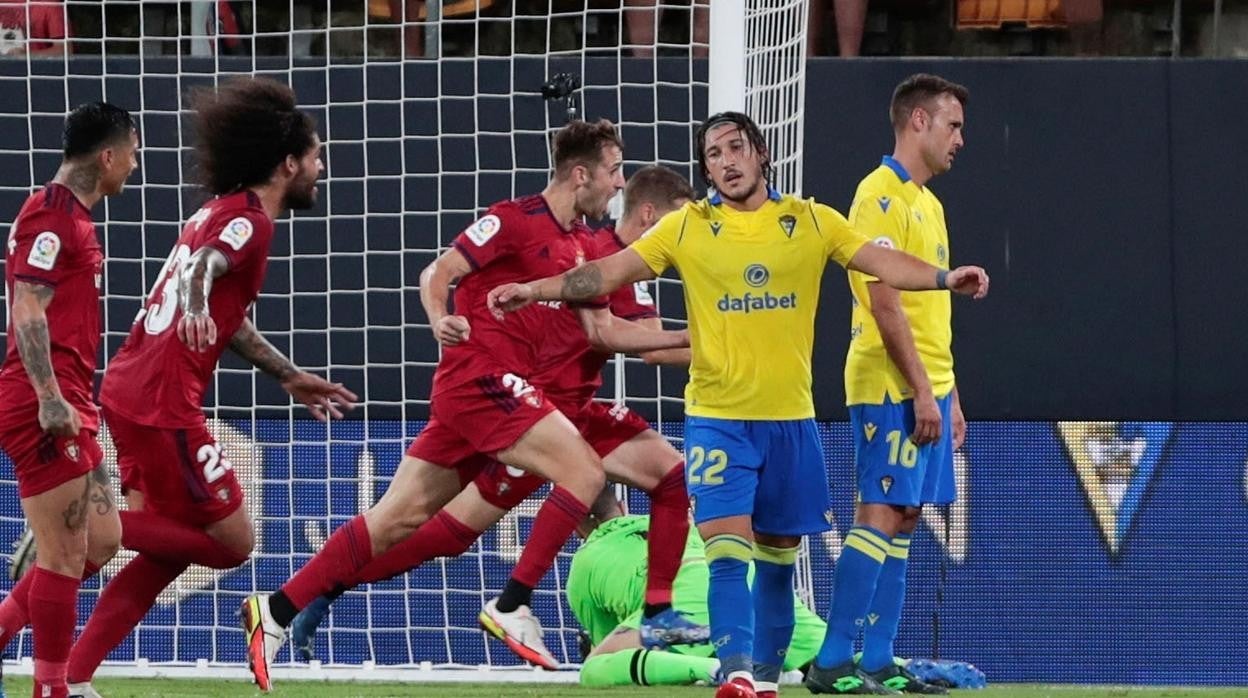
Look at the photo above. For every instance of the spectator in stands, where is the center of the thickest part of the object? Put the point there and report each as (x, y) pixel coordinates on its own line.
(642, 19)
(37, 27)
(851, 19)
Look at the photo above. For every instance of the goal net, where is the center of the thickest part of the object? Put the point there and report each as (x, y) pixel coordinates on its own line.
(416, 147)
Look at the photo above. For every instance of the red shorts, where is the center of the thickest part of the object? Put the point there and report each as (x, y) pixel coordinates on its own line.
(182, 473)
(486, 414)
(606, 427)
(42, 461)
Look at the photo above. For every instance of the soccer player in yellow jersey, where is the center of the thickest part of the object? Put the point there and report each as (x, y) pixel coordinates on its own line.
(751, 260)
(903, 404)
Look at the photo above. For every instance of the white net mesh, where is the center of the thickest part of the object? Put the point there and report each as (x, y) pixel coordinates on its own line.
(414, 150)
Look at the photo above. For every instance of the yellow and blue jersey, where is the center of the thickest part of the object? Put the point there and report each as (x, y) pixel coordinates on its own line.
(893, 211)
(751, 284)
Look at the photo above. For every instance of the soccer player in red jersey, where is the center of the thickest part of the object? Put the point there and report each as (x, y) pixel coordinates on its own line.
(259, 156)
(53, 274)
(481, 402)
(570, 373)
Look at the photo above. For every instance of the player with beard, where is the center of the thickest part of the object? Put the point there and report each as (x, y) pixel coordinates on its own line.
(52, 277)
(259, 156)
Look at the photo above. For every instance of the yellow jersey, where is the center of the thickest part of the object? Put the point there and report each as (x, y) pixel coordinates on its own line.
(891, 210)
(751, 284)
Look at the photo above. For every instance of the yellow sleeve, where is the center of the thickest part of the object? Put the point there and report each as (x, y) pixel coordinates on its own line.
(840, 241)
(657, 246)
(880, 219)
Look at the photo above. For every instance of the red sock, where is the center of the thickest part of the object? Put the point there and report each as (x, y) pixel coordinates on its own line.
(15, 609)
(669, 531)
(123, 603)
(346, 552)
(441, 536)
(167, 539)
(555, 522)
(53, 613)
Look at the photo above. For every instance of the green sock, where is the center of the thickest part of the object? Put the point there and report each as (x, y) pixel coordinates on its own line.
(646, 668)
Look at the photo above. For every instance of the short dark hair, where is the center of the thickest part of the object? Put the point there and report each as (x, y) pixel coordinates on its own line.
(245, 128)
(747, 126)
(919, 90)
(657, 185)
(91, 126)
(581, 143)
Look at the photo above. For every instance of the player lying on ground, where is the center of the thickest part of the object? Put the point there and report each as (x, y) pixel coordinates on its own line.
(259, 157)
(52, 278)
(606, 596)
(752, 261)
(485, 406)
(571, 375)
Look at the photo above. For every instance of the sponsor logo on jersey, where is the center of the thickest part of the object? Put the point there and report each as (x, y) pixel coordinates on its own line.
(237, 232)
(941, 253)
(886, 483)
(1114, 462)
(750, 303)
(884, 201)
(45, 250)
(757, 276)
(869, 429)
(485, 228)
(715, 226)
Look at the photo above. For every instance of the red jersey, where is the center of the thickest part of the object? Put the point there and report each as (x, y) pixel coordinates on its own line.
(569, 370)
(156, 380)
(53, 243)
(516, 241)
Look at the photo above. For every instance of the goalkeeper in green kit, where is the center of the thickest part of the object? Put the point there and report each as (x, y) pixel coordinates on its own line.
(606, 590)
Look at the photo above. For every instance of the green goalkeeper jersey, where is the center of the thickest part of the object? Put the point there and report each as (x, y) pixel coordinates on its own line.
(606, 587)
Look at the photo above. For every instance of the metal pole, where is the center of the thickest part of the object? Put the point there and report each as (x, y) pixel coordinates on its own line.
(1176, 29)
(433, 28)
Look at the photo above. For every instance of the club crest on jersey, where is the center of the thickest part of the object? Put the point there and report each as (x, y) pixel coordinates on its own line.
(43, 253)
(237, 232)
(485, 228)
(886, 483)
(715, 226)
(1114, 462)
(884, 203)
(71, 451)
(787, 224)
(757, 276)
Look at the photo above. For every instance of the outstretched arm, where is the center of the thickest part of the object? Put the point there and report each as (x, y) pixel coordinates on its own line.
(322, 398)
(586, 282)
(908, 273)
(608, 333)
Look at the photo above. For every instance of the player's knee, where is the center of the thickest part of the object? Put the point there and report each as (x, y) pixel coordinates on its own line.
(64, 554)
(584, 482)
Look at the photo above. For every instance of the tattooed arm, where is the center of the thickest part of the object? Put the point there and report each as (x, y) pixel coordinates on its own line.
(249, 344)
(322, 397)
(586, 282)
(196, 328)
(30, 325)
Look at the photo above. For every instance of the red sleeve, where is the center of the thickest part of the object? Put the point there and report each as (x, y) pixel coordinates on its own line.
(242, 236)
(50, 20)
(43, 247)
(633, 302)
(496, 234)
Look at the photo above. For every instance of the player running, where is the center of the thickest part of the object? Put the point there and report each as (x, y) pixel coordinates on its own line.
(752, 261)
(53, 272)
(259, 156)
(484, 402)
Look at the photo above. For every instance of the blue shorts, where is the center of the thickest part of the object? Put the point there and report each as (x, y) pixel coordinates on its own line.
(890, 468)
(772, 471)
